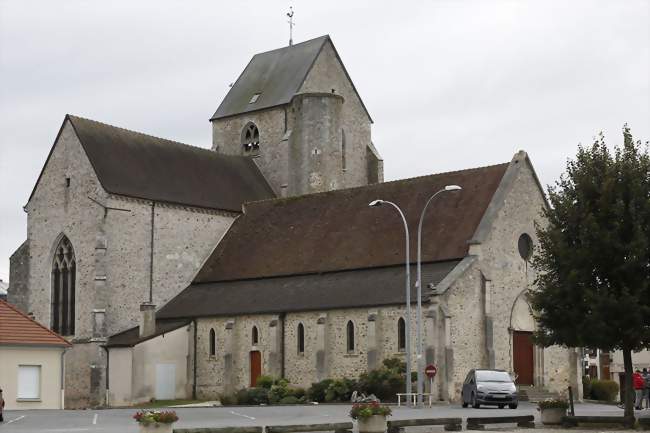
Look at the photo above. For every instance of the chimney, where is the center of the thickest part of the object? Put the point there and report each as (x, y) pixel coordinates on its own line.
(147, 319)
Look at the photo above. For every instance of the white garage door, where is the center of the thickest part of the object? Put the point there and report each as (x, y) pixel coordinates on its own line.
(165, 381)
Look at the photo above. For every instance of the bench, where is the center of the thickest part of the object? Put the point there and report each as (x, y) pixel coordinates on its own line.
(573, 421)
(478, 423)
(451, 424)
(338, 427)
(414, 398)
(220, 430)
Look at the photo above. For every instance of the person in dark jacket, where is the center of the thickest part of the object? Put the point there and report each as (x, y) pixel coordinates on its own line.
(2, 405)
(639, 385)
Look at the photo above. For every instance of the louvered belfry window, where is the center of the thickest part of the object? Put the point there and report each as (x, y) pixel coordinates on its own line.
(63, 288)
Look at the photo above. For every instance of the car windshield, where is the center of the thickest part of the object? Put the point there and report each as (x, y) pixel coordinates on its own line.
(492, 376)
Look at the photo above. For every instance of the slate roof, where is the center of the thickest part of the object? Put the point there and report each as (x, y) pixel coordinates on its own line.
(336, 230)
(131, 337)
(142, 166)
(277, 76)
(17, 328)
(346, 289)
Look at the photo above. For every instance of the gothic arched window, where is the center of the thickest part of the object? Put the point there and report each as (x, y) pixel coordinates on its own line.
(301, 338)
(255, 336)
(63, 288)
(213, 343)
(350, 334)
(250, 138)
(401, 335)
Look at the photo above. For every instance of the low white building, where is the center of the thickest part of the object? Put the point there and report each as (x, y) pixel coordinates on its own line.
(31, 362)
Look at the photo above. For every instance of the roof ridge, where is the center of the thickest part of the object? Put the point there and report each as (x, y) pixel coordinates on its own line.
(407, 179)
(324, 37)
(25, 316)
(212, 152)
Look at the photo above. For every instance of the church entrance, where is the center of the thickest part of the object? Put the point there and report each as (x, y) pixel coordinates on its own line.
(523, 357)
(256, 366)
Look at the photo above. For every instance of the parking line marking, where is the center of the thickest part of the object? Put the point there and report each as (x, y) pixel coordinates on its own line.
(241, 414)
(16, 419)
(95, 419)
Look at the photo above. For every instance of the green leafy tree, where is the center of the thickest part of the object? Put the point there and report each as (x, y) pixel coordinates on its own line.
(593, 288)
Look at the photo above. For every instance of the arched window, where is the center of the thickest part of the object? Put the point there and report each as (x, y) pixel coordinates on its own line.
(401, 335)
(63, 288)
(250, 138)
(301, 338)
(213, 343)
(350, 334)
(255, 336)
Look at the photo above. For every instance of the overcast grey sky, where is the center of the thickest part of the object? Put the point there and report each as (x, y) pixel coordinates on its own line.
(450, 84)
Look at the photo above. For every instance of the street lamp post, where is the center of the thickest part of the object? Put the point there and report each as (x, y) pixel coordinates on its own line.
(419, 356)
(408, 297)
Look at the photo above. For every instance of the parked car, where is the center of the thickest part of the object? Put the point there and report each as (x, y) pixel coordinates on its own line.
(489, 387)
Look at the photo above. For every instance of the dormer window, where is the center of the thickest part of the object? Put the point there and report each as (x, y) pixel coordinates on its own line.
(250, 138)
(254, 98)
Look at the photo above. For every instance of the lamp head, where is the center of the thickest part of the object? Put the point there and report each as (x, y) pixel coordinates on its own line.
(453, 188)
(376, 203)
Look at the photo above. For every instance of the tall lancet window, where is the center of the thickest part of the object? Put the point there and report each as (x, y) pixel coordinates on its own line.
(63, 288)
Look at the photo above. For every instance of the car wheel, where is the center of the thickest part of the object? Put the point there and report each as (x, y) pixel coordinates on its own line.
(475, 404)
(501, 406)
(512, 406)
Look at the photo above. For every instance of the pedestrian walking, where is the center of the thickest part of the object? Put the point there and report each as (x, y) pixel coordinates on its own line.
(2, 405)
(646, 389)
(639, 385)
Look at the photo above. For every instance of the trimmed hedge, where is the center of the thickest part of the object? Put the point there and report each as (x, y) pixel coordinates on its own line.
(604, 390)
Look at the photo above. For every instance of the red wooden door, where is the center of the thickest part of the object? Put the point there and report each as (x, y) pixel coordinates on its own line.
(256, 366)
(523, 357)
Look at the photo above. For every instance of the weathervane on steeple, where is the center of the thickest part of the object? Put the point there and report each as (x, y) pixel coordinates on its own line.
(291, 24)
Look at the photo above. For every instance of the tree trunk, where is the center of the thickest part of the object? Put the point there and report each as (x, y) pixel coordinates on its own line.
(629, 387)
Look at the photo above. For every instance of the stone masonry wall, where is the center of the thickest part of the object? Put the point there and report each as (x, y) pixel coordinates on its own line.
(183, 238)
(111, 237)
(214, 376)
(18, 291)
(326, 74)
(510, 276)
(272, 158)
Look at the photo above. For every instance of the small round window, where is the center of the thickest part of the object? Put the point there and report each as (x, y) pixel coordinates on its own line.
(525, 245)
(250, 138)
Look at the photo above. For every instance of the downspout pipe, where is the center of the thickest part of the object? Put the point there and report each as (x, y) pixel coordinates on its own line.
(282, 354)
(107, 372)
(63, 378)
(194, 361)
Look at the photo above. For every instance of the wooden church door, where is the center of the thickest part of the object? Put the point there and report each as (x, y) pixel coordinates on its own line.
(523, 357)
(256, 366)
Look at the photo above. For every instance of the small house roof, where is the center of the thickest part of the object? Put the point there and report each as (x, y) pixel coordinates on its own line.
(131, 336)
(16, 328)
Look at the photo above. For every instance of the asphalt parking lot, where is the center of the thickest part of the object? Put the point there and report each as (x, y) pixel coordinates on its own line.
(119, 420)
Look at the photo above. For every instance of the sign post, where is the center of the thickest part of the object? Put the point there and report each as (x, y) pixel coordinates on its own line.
(430, 371)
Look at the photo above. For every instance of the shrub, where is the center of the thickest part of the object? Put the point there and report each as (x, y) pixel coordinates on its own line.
(553, 404)
(290, 399)
(253, 396)
(386, 381)
(266, 382)
(340, 390)
(296, 392)
(277, 393)
(318, 389)
(366, 410)
(228, 399)
(604, 390)
(586, 386)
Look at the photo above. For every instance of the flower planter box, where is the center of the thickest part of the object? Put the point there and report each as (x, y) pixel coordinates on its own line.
(552, 416)
(156, 427)
(372, 424)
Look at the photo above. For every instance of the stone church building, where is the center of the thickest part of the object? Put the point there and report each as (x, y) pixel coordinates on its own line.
(261, 256)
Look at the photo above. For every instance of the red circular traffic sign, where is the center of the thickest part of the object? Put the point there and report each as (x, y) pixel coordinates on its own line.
(430, 370)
